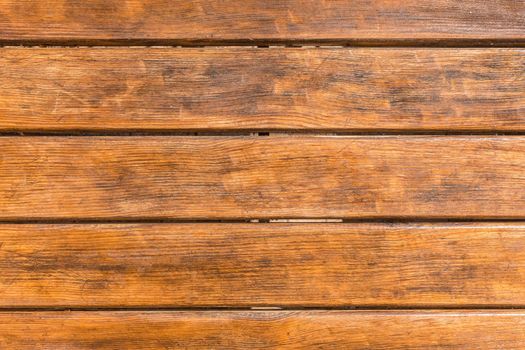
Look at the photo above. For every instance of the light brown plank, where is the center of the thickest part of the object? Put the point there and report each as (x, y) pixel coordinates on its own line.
(209, 21)
(263, 330)
(111, 89)
(261, 177)
(243, 265)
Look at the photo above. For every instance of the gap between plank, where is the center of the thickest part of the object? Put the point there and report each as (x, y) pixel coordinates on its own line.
(258, 133)
(265, 43)
(269, 308)
(381, 220)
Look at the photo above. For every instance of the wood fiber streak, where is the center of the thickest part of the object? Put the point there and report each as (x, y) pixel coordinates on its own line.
(112, 89)
(243, 265)
(391, 330)
(253, 20)
(262, 177)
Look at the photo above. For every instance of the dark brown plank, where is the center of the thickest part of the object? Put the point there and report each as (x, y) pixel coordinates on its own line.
(263, 330)
(112, 89)
(262, 177)
(243, 265)
(212, 21)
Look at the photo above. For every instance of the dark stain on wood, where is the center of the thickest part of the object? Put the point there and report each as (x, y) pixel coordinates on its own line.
(243, 265)
(262, 177)
(253, 21)
(210, 89)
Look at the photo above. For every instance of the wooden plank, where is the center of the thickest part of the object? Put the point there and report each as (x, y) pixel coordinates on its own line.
(212, 21)
(243, 265)
(263, 330)
(111, 89)
(262, 177)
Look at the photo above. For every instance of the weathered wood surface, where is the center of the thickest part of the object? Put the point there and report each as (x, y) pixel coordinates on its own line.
(96, 222)
(211, 21)
(263, 330)
(243, 265)
(262, 177)
(211, 89)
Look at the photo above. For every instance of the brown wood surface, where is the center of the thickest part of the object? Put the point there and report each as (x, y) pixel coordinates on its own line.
(243, 265)
(262, 177)
(263, 330)
(119, 228)
(255, 20)
(108, 89)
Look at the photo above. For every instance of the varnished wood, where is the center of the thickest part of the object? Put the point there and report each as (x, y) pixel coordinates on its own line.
(121, 224)
(211, 21)
(263, 330)
(243, 265)
(262, 177)
(112, 89)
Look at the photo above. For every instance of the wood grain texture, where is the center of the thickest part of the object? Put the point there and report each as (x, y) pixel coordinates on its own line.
(263, 330)
(244, 265)
(262, 177)
(108, 89)
(252, 20)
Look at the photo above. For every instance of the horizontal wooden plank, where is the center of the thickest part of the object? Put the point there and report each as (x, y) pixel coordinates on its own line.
(261, 177)
(108, 89)
(254, 20)
(243, 265)
(263, 330)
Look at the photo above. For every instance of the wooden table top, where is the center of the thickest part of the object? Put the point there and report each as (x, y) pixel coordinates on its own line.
(217, 174)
